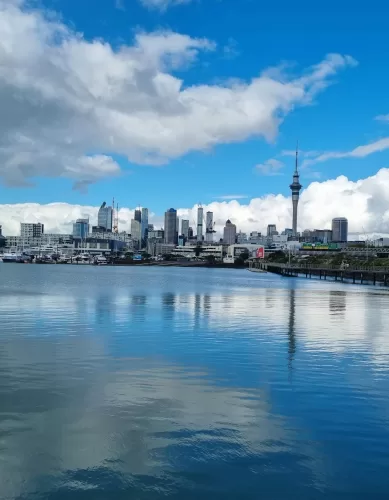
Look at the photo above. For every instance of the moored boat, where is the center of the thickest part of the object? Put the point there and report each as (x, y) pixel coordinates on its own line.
(12, 257)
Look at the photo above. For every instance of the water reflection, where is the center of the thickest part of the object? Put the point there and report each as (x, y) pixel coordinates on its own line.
(291, 330)
(168, 305)
(338, 301)
(164, 385)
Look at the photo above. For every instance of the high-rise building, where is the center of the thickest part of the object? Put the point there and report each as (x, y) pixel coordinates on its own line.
(81, 228)
(31, 230)
(185, 228)
(200, 216)
(339, 229)
(295, 188)
(136, 230)
(105, 218)
(150, 227)
(271, 230)
(209, 227)
(2, 238)
(190, 233)
(229, 234)
(241, 237)
(171, 230)
(145, 223)
(138, 215)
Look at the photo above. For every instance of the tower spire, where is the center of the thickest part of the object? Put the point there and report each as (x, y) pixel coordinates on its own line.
(295, 187)
(297, 157)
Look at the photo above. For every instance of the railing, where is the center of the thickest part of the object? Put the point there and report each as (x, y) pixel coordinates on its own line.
(320, 267)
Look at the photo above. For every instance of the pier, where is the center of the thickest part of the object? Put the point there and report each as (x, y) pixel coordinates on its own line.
(361, 275)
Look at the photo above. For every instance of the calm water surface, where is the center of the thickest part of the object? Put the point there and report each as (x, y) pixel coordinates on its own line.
(141, 383)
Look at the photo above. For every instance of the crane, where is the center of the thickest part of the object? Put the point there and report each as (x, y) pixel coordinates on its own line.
(115, 217)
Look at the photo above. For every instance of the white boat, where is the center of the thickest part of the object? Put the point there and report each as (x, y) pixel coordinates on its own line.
(100, 260)
(12, 257)
(82, 259)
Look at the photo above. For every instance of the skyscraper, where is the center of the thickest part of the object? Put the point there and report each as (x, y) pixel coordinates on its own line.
(200, 215)
(81, 228)
(340, 229)
(2, 238)
(295, 188)
(104, 218)
(229, 235)
(171, 230)
(145, 223)
(185, 228)
(138, 215)
(209, 227)
(271, 230)
(136, 232)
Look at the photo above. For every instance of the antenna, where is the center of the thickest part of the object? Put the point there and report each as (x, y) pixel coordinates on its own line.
(297, 155)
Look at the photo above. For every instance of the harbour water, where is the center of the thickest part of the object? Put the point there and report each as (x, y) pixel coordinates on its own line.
(148, 383)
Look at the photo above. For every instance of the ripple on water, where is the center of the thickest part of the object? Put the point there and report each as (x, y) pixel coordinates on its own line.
(187, 383)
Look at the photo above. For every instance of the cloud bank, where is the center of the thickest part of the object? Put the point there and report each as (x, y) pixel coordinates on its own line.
(365, 203)
(71, 106)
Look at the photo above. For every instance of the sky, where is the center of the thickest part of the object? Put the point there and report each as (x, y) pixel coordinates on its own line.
(172, 103)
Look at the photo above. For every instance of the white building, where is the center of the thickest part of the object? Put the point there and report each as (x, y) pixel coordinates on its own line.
(234, 251)
(200, 215)
(31, 230)
(279, 239)
(209, 227)
(190, 251)
(229, 233)
(381, 242)
(136, 230)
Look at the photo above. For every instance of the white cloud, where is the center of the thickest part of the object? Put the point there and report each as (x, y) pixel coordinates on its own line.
(270, 167)
(232, 197)
(163, 4)
(382, 118)
(358, 152)
(302, 153)
(365, 203)
(65, 99)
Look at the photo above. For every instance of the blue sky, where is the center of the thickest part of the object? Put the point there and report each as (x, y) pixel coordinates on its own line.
(250, 37)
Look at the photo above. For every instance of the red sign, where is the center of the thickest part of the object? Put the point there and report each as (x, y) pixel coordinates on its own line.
(260, 254)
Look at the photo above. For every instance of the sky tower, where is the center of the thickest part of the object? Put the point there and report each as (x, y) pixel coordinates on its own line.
(295, 188)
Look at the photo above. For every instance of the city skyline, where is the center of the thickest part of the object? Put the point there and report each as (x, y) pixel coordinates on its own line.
(283, 217)
(216, 116)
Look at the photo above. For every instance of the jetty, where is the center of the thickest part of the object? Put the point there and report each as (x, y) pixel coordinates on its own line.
(361, 274)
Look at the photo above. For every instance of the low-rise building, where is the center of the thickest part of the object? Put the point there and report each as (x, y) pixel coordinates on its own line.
(381, 242)
(234, 251)
(200, 252)
(31, 230)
